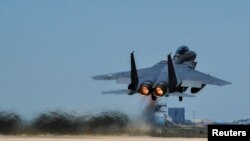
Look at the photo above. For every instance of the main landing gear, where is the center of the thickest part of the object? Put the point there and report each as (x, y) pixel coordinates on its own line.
(180, 98)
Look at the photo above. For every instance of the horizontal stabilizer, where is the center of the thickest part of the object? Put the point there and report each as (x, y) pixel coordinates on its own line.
(122, 91)
(181, 94)
(123, 80)
(104, 77)
(191, 83)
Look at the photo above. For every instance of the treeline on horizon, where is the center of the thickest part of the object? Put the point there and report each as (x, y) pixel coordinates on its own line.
(55, 122)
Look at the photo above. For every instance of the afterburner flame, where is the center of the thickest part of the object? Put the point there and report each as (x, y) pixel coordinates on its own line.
(144, 90)
(159, 91)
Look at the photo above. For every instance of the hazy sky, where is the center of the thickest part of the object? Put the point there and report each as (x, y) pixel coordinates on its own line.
(49, 49)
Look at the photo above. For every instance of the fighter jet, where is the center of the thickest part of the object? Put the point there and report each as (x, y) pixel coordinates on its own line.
(171, 77)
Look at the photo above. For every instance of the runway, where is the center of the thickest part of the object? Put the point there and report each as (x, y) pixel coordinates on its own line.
(95, 138)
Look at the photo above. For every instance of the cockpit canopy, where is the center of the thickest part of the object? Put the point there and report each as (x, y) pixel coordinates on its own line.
(182, 50)
(184, 54)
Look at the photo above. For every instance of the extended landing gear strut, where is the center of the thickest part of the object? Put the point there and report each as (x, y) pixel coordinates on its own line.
(180, 98)
(153, 97)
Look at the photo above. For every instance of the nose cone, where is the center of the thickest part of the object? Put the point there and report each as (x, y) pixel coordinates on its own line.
(182, 50)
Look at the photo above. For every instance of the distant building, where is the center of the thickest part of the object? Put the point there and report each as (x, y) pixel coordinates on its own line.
(177, 115)
(203, 122)
(242, 122)
(188, 122)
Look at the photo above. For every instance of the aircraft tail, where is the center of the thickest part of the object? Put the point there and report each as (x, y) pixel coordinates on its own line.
(133, 75)
(171, 75)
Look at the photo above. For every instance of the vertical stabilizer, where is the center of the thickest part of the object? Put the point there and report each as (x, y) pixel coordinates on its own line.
(172, 80)
(133, 74)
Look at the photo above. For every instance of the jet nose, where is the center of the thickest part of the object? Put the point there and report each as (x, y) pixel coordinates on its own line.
(182, 50)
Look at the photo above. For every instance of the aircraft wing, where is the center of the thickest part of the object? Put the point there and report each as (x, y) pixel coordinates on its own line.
(124, 77)
(188, 76)
(121, 77)
(193, 78)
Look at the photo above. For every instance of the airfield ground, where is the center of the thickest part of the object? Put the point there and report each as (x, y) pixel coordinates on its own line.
(95, 138)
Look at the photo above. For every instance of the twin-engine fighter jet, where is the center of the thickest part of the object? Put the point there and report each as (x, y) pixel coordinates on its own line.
(166, 78)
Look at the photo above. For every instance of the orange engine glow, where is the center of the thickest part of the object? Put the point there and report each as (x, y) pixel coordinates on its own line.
(159, 91)
(144, 90)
